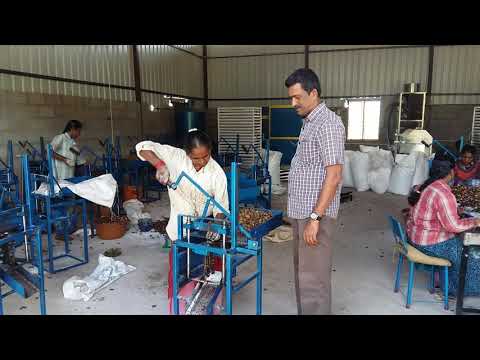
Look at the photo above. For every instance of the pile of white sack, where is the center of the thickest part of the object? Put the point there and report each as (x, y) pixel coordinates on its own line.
(375, 169)
(134, 210)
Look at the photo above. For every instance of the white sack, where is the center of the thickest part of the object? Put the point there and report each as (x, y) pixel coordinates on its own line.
(107, 271)
(100, 190)
(274, 159)
(379, 180)
(347, 175)
(421, 169)
(360, 167)
(366, 149)
(133, 208)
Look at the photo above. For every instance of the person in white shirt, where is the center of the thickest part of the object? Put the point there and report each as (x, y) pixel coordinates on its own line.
(65, 155)
(195, 161)
(65, 150)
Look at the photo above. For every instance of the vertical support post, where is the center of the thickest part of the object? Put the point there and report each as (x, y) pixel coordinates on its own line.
(51, 172)
(205, 78)
(48, 206)
(234, 205)
(431, 54)
(138, 86)
(307, 55)
(27, 191)
(175, 279)
(85, 231)
(259, 277)
(41, 277)
(228, 285)
(10, 162)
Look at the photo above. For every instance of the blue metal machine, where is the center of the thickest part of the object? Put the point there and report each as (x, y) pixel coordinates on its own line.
(9, 189)
(37, 158)
(52, 209)
(12, 270)
(251, 180)
(236, 247)
(16, 230)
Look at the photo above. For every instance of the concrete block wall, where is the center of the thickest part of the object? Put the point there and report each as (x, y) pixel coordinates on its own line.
(28, 116)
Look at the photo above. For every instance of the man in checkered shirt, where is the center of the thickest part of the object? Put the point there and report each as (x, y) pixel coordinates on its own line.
(314, 187)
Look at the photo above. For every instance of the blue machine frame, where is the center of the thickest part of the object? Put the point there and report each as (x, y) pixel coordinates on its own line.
(9, 189)
(59, 201)
(251, 181)
(20, 234)
(241, 249)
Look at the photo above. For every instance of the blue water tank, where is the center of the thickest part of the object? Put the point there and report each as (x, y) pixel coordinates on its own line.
(186, 120)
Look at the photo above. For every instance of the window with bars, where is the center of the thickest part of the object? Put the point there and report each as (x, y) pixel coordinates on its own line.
(363, 119)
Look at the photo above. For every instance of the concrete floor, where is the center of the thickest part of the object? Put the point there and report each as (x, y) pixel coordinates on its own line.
(362, 276)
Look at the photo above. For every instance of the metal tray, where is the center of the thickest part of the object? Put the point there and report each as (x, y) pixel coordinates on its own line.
(268, 226)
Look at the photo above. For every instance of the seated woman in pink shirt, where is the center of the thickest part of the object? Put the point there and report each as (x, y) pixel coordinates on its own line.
(434, 223)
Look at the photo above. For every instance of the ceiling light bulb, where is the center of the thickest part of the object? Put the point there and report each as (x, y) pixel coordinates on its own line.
(170, 103)
(152, 107)
(186, 101)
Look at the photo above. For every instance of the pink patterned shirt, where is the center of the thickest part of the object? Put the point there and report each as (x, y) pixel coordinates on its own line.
(434, 218)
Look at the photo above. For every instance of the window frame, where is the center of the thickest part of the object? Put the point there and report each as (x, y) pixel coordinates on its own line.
(363, 101)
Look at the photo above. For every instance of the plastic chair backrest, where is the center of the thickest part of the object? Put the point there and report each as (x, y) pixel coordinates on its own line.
(398, 232)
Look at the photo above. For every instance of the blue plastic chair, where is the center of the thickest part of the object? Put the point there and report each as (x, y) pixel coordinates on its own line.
(415, 257)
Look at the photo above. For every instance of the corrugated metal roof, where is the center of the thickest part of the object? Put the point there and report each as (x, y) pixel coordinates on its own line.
(236, 50)
(338, 47)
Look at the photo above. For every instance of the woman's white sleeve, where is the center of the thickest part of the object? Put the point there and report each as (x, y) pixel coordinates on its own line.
(169, 154)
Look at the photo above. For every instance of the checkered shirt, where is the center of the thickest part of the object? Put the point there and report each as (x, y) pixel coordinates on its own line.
(321, 144)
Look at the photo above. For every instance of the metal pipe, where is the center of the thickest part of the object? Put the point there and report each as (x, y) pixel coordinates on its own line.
(224, 236)
(24, 218)
(188, 249)
(245, 282)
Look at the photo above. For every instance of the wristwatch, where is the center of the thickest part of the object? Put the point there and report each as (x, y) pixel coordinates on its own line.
(315, 216)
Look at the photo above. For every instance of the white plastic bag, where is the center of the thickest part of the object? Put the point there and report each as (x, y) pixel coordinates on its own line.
(402, 175)
(360, 167)
(347, 170)
(274, 159)
(107, 271)
(100, 190)
(133, 208)
(421, 169)
(366, 149)
(379, 179)
(380, 159)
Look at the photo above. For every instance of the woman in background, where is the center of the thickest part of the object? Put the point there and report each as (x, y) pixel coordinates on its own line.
(467, 167)
(434, 223)
(65, 155)
(65, 151)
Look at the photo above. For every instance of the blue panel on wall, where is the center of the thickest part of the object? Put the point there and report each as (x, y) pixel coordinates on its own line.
(285, 122)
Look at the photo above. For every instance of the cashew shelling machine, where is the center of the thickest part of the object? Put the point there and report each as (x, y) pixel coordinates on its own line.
(255, 182)
(235, 246)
